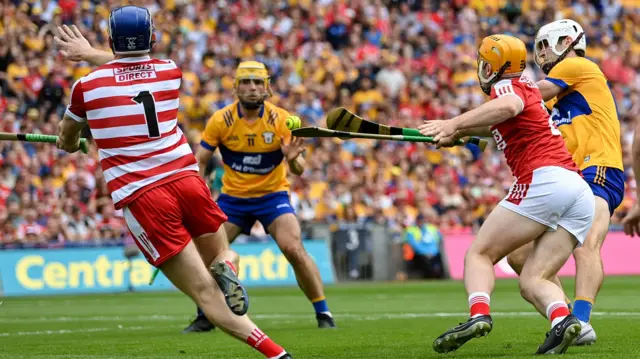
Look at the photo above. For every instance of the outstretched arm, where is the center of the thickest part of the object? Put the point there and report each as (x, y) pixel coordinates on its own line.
(490, 113)
(477, 120)
(484, 131)
(74, 47)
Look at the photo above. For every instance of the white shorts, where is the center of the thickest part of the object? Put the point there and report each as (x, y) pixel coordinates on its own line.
(554, 196)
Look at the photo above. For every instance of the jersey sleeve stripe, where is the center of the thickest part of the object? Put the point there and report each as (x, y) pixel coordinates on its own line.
(106, 91)
(133, 177)
(206, 145)
(146, 164)
(558, 82)
(123, 142)
(74, 116)
(120, 159)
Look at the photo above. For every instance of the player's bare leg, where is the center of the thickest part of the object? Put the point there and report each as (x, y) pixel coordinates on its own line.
(516, 260)
(215, 253)
(589, 270)
(212, 247)
(286, 231)
(232, 231)
(187, 272)
(503, 232)
(550, 252)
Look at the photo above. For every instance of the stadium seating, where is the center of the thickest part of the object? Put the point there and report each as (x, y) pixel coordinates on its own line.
(400, 64)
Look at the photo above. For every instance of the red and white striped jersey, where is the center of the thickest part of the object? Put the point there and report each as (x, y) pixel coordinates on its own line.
(131, 105)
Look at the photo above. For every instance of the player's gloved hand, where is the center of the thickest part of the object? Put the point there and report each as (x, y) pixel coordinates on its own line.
(438, 129)
(292, 149)
(631, 221)
(73, 46)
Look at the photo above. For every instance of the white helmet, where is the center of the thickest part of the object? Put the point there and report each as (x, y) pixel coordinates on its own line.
(549, 36)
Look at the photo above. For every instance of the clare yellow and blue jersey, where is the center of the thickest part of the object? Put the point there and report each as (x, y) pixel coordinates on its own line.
(585, 113)
(253, 161)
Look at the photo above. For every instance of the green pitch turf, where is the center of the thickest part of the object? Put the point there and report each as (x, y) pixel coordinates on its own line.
(382, 320)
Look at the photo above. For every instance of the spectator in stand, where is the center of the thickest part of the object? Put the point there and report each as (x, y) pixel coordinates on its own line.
(399, 63)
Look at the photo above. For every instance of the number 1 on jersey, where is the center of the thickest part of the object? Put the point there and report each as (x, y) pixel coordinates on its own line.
(146, 99)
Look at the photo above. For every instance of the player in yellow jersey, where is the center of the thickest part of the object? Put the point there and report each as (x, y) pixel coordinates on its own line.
(585, 113)
(255, 143)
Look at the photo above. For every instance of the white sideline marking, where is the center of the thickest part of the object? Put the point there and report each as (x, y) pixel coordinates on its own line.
(72, 331)
(354, 316)
(282, 317)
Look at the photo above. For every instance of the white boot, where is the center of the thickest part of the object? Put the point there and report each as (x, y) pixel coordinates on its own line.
(587, 335)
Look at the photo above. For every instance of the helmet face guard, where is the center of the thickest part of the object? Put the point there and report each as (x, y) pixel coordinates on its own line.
(543, 47)
(253, 70)
(546, 54)
(505, 55)
(487, 82)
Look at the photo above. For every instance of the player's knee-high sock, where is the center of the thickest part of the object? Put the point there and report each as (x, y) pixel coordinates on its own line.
(320, 305)
(556, 312)
(200, 313)
(582, 308)
(262, 343)
(479, 304)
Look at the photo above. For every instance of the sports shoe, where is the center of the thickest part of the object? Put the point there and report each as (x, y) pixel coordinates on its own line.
(561, 336)
(325, 321)
(453, 339)
(234, 293)
(287, 356)
(587, 335)
(199, 325)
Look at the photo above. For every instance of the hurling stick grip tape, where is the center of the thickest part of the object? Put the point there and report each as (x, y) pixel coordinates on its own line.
(36, 137)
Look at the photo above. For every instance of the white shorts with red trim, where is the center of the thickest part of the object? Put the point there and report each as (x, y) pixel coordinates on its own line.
(554, 196)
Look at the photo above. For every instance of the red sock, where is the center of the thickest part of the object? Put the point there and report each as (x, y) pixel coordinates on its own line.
(557, 311)
(478, 304)
(233, 268)
(262, 343)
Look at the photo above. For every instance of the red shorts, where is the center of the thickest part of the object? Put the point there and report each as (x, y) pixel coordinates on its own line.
(164, 219)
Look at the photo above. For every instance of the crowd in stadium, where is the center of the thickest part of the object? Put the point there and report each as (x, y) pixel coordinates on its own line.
(395, 62)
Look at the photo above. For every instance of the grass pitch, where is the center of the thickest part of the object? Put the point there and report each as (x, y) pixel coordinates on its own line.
(381, 320)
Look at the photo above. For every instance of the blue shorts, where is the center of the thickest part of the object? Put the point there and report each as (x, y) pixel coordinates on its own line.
(243, 212)
(606, 182)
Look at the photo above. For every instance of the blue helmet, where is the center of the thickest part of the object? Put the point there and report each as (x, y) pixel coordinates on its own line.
(131, 30)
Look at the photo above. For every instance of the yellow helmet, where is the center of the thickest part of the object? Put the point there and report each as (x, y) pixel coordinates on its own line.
(252, 70)
(506, 54)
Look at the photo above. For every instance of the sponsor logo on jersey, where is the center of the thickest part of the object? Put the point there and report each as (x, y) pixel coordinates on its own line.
(252, 160)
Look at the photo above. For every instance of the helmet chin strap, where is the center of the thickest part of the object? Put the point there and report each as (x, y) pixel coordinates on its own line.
(486, 86)
(546, 68)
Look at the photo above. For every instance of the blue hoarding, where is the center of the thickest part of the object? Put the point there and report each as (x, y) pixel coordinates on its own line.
(94, 270)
